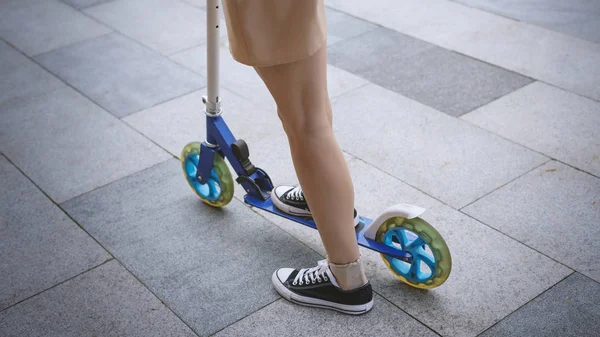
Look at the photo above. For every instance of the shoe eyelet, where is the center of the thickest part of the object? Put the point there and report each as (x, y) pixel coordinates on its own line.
(325, 278)
(294, 283)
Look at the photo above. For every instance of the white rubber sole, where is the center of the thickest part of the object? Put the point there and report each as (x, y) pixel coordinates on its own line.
(297, 211)
(317, 303)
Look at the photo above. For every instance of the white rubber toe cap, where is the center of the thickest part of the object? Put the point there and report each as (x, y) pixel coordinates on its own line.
(280, 190)
(284, 273)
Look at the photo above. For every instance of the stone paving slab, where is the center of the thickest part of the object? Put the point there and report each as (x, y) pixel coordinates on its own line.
(40, 245)
(571, 308)
(283, 318)
(554, 209)
(578, 18)
(106, 301)
(175, 123)
(68, 146)
(194, 257)
(552, 121)
(167, 26)
(21, 78)
(38, 26)
(341, 26)
(555, 58)
(479, 292)
(244, 80)
(119, 74)
(442, 79)
(486, 283)
(443, 156)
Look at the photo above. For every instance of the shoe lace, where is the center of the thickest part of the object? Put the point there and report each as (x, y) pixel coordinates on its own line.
(312, 275)
(296, 194)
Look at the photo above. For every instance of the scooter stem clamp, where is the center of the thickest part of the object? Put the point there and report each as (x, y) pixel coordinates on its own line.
(213, 109)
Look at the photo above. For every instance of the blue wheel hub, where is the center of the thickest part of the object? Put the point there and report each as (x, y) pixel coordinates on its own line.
(211, 189)
(417, 247)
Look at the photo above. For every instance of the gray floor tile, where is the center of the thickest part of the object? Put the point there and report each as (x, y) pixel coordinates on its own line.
(167, 26)
(578, 18)
(38, 26)
(341, 26)
(380, 47)
(443, 156)
(192, 256)
(484, 286)
(447, 81)
(244, 80)
(294, 320)
(554, 209)
(175, 123)
(552, 121)
(22, 78)
(106, 301)
(569, 309)
(542, 54)
(68, 146)
(40, 245)
(119, 74)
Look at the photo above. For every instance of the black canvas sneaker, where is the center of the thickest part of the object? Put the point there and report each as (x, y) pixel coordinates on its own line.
(290, 200)
(316, 287)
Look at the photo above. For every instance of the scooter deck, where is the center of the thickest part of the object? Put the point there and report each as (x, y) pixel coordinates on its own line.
(268, 206)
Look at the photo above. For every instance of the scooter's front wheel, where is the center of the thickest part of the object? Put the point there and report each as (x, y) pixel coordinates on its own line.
(431, 260)
(218, 189)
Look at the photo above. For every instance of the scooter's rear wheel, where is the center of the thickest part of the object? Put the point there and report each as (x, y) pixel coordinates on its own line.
(218, 189)
(431, 263)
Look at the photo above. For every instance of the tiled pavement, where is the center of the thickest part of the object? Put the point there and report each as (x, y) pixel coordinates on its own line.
(485, 112)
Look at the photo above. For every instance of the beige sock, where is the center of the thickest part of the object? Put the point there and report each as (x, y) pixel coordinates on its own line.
(349, 276)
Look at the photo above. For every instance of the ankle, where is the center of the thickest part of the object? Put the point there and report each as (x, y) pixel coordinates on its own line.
(349, 276)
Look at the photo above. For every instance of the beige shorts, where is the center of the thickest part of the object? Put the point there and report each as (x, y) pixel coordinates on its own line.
(264, 33)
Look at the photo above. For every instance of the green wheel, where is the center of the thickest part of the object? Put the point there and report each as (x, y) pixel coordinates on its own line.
(218, 189)
(431, 264)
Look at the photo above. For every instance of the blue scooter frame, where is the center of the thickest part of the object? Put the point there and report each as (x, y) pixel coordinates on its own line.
(405, 241)
(258, 185)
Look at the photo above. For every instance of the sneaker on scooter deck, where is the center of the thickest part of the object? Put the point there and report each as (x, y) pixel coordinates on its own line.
(290, 200)
(317, 287)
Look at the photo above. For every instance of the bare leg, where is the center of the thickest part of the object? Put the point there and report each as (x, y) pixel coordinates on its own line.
(300, 91)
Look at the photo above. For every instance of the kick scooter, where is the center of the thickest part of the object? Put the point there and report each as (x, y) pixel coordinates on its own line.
(410, 247)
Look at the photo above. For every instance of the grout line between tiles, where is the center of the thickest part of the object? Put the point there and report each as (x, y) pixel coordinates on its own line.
(112, 257)
(114, 181)
(460, 210)
(413, 317)
(157, 297)
(472, 57)
(249, 314)
(59, 283)
(523, 22)
(526, 303)
(506, 183)
(524, 146)
(520, 242)
(57, 204)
